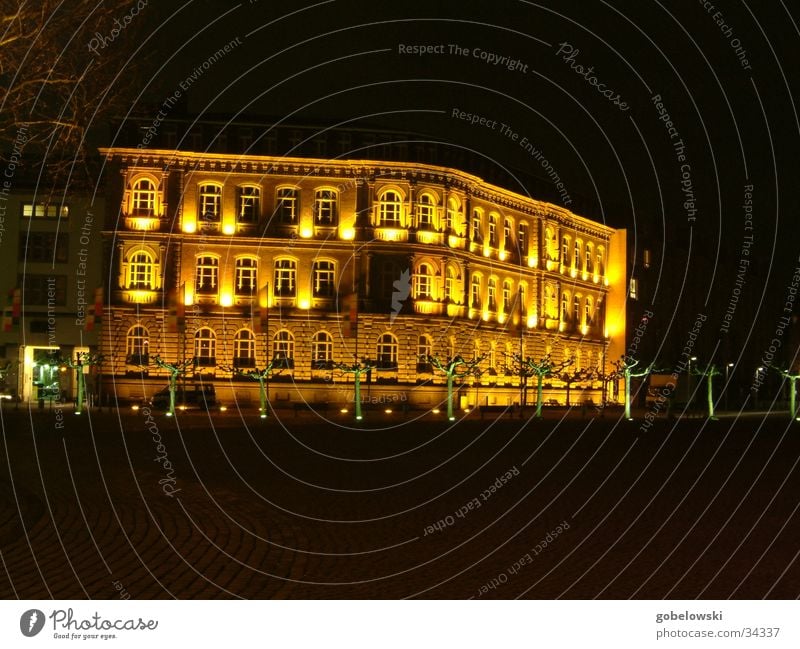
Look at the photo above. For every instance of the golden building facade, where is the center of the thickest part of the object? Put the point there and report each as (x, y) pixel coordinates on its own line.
(316, 261)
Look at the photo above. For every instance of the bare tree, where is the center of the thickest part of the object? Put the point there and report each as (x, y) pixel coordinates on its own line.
(455, 368)
(626, 369)
(65, 67)
(540, 368)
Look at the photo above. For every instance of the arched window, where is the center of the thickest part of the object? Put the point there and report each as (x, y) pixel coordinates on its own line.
(249, 204)
(324, 278)
(207, 275)
(205, 347)
(325, 207)
(424, 282)
(522, 239)
(576, 257)
(475, 292)
(143, 198)
(576, 310)
(283, 349)
(287, 204)
(589, 265)
(551, 243)
(390, 208)
(388, 272)
(588, 312)
(210, 202)
(137, 345)
(477, 226)
(141, 270)
(493, 231)
(424, 349)
(386, 352)
(450, 279)
(285, 277)
(551, 305)
(564, 251)
(244, 349)
(425, 212)
(507, 229)
(453, 216)
(564, 306)
(492, 294)
(246, 276)
(322, 351)
(601, 266)
(507, 296)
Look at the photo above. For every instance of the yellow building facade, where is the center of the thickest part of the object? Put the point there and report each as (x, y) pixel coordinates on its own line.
(316, 262)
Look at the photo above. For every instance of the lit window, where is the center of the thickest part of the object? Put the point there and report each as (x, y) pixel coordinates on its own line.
(283, 349)
(136, 345)
(589, 267)
(210, 202)
(244, 349)
(477, 227)
(492, 294)
(207, 275)
(587, 315)
(633, 289)
(564, 251)
(143, 198)
(205, 347)
(140, 271)
(646, 258)
(453, 216)
(507, 234)
(475, 292)
(387, 352)
(564, 306)
(324, 277)
(286, 205)
(325, 207)
(424, 350)
(576, 257)
(506, 297)
(246, 276)
(576, 310)
(285, 277)
(551, 306)
(493, 231)
(424, 279)
(601, 269)
(322, 351)
(249, 204)
(425, 211)
(522, 236)
(450, 285)
(42, 211)
(389, 210)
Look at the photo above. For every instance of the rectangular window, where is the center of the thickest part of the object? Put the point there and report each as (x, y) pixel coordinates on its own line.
(324, 279)
(44, 247)
(522, 235)
(246, 276)
(325, 207)
(646, 258)
(633, 289)
(249, 205)
(286, 205)
(476, 227)
(207, 276)
(45, 211)
(38, 290)
(210, 202)
(285, 278)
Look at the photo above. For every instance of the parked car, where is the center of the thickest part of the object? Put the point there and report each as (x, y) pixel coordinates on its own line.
(197, 396)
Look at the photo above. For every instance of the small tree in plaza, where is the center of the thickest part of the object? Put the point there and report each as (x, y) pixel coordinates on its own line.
(82, 360)
(708, 372)
(540, 368)
(454, 368)
(175, 370)
(260, 375)
(357, 369)
(792, 378)
(570, 375)
(626, 369)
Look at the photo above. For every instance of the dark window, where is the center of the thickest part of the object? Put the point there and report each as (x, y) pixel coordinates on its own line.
(44, 247)
(38, 289)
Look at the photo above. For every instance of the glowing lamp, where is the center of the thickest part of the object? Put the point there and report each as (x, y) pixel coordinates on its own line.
(503, 254)
(501, 318)
(223, 408)
(435, 411)
(533, 262)
(584, 330)
(226, 299)
(304, 303)
(532, 321)
(189, 227)
(388, 411)
(348, 234)
(228, 228)
(486, 316)
(306, 232)
(343, 411)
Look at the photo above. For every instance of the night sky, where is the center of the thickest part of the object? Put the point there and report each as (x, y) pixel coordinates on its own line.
(656, 117)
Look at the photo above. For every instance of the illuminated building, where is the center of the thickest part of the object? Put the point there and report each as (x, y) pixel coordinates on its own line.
(439, 261)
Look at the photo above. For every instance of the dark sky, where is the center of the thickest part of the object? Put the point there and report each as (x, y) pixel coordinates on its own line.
(725, 71)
